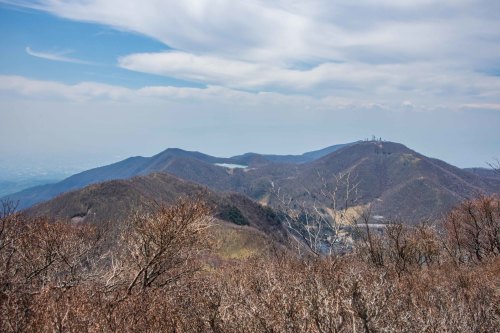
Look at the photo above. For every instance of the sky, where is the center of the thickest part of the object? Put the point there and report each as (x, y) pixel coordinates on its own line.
(88, 82)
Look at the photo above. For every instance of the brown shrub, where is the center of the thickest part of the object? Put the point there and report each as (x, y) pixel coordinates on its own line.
(473, 230)
(58, 278)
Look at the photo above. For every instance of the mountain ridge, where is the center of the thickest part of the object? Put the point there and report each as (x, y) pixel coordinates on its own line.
(393, 180)
(138, 165)
(115, 201)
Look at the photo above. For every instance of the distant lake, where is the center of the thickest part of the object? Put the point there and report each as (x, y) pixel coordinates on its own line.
(231, 166)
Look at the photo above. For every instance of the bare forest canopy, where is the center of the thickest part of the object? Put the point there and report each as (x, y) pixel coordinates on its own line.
(163, 272)
(372, 237)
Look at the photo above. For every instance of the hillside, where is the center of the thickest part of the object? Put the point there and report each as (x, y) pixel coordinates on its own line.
(253, 159)
(393, 180)
(114, 201)
(194, 166)
(485, 173)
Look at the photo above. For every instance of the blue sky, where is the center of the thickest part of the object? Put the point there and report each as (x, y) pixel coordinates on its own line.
(89, 82)
(96, 46)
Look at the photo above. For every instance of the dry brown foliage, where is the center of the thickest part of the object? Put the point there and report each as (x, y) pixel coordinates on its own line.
(160, 247)
(57, 277)
(473, 230)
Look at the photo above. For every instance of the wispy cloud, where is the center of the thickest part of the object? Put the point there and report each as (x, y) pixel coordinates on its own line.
(39, 89)
(397, 50)
(56, 56)
(209, 118)
(482, 106)
(215, 95)
(422, 80)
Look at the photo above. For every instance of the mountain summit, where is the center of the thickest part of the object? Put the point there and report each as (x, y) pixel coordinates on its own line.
(191, 165)
(391, 179)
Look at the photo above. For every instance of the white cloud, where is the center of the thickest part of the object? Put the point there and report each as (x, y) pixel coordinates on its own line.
(90, 119)
(284, 32)
(482, 106)
(219, 96)
(421, 81)
(29, 89)
(36, 89)
(278, 75)
(56, 56)
(390, 50)
(216, 70)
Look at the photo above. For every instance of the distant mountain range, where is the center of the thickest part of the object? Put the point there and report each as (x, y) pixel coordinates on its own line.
(393, 180)
(8, 187)
(171, 160)
(485, 173)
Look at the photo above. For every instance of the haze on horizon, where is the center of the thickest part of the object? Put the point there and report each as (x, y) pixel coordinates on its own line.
(92, 82)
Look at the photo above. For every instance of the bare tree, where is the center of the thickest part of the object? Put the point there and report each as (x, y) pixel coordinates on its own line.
(160, 247)
(473, 230)
(8, 208)
(410, 291)
(495, 165)
(369, 244)
(7, 220)
(315, 222)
